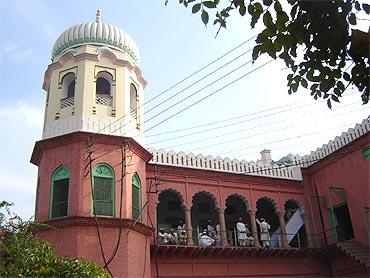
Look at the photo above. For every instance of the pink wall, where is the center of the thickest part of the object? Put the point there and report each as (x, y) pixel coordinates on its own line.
(249, 267)
(345, 169)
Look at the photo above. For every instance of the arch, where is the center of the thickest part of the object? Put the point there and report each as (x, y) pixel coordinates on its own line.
(134, 99)
(170, 209)
(104, 81)
(59, 195)
(68, 85)
(207, 194)
(295, 202)
(241, 197)
(136, 196)
(272, 201)
(236, 208)
(174, 191)
(267, 208)
(103, 190)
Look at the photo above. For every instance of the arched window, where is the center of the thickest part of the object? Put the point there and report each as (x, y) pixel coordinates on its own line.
(103, 190)
(103, 84)
(133, 99)
(68, 85)
(136, 200)
(59, 192)
(366, 153)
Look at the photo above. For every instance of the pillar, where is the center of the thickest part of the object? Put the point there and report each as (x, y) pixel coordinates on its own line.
(252, 216)
(221, 218)
(189, 231)
(283, 230)
(310, 240)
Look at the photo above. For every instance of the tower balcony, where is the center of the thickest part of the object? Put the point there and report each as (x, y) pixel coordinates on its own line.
(104, 99)
(66, 102)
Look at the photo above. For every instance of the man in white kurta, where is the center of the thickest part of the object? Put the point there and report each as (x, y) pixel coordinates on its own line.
(205, 240)
(242, 232)
(264, 229)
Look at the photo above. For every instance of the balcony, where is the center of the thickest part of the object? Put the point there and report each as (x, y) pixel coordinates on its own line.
(66, 102)
(104, 99)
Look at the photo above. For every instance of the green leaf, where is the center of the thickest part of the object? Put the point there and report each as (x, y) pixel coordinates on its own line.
(267, 19)
(278, 7)
(352, 19)
(328, 102)
(251, 9)
(205, 17)
(256, 52)
(294, 87)
(304, 83)
(242, 9)
(195, 8)
(209, 4)
(357, 6)
(335, 98)
(346, 76)
(366, 8)
(267, 2)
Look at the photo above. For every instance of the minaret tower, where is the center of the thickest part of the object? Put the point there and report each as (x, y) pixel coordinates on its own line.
(91, 168)
(94, 83)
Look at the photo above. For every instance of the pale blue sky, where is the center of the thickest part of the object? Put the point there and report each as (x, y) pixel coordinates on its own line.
(173, 44)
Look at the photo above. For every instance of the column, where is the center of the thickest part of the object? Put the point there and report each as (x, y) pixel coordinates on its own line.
(221, 218)
(283, 230)
(252, 217)
(189, 232)
(310, 240)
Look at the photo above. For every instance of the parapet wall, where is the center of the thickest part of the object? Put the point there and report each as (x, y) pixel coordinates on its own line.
(290, 171)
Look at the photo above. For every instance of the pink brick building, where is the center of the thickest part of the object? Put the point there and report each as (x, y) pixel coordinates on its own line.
(108, 196)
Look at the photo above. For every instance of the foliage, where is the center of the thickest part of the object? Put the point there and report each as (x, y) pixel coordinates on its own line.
(23, 255)
(312, 38)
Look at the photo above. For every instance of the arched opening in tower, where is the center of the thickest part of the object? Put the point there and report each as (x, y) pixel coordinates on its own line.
(102, 86)
(236, 207)
(267, 209)
(169, 210)
(293, 218)
(203, 212)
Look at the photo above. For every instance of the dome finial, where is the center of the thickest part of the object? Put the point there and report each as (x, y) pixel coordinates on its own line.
(98, 16)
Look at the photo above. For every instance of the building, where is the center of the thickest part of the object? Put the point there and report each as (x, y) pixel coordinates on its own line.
(108, 195)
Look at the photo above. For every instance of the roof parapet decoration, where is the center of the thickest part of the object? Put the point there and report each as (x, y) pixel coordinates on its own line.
(290, 171)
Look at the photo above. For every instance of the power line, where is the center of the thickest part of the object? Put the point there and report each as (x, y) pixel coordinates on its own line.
(257, 134)
(284, 139)
(209, 95)
(178, 83)
(236, 123)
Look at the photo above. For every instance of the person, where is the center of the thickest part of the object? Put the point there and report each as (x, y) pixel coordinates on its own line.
(173, 237)
(182, 238)
(163, 237)
(205, 240)
(264, 229)
(181, 228)
(242, 232)
(210, 228)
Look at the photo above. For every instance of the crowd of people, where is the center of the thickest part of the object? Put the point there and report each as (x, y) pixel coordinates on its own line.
(211, 235)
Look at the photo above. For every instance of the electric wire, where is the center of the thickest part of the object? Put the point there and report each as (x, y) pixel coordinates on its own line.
(236, 123)
(178, 83)
(209, 95)
(256, 134)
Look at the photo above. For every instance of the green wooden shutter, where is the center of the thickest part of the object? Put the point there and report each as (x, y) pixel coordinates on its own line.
(103, 190)
(59, 192)
(136, 202)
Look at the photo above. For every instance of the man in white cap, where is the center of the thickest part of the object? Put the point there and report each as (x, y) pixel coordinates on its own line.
(264, 229)
(205, 240)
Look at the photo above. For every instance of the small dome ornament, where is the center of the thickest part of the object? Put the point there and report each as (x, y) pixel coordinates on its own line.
(98, 16)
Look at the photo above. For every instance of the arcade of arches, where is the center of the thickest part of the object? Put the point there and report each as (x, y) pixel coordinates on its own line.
(171, 211)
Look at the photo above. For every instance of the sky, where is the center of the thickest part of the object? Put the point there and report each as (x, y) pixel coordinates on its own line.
(239, 121)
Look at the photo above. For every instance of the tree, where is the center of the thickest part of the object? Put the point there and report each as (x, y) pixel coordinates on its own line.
(315, 39)
(23, 255)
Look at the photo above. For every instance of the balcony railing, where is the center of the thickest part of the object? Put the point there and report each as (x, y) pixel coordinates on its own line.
(104, 100)
(65, 102)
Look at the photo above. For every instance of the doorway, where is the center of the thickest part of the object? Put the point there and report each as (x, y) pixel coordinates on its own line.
(340, 219)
